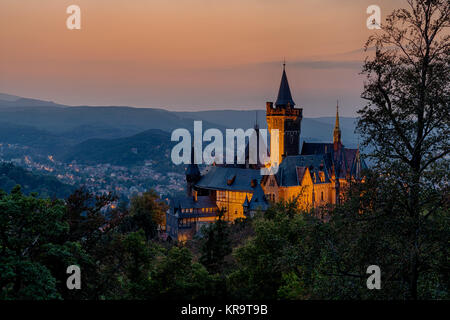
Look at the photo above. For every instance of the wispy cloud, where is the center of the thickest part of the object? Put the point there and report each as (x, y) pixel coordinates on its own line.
(318, 64)
(324, 64)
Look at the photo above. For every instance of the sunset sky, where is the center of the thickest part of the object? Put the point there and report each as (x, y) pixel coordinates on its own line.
(187, 54)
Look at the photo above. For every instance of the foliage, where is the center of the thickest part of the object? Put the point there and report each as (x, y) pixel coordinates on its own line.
(147, 212)
(45, 186)
(407, 122)
(29, 226)
(216, 245)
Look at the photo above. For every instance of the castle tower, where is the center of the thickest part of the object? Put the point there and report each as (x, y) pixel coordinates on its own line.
(286, 118)
(337, 130)
(338, 156)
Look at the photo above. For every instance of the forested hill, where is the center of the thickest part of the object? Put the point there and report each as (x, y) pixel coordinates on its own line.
(45, 186)
(154, 145)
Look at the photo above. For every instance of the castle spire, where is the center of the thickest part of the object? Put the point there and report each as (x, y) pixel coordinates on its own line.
(337, 129)
(284, 94)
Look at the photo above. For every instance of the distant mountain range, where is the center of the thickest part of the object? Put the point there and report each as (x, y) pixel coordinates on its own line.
(113, 134)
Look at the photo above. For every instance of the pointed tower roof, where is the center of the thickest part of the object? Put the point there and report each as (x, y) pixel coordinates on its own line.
(258, 200)
(337, 129)
(337, 116)
(284, 94)
(246, 202)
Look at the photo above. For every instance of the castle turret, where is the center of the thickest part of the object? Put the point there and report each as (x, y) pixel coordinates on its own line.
(286, 118)
(337, 129)
(245, 206)
(284, 93)
(258, 201)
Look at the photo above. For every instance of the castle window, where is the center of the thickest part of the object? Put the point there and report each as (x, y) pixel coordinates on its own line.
(322, 176)
(322, 195)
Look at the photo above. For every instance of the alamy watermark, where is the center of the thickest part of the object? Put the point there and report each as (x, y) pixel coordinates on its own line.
(374, 20)
(374, 280)
(74, 20)
(74, 280)
(235, 141)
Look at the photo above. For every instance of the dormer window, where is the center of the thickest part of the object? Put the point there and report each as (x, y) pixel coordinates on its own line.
(230, 179)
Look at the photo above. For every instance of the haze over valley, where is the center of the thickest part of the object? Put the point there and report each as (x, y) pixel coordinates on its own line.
(119, 148)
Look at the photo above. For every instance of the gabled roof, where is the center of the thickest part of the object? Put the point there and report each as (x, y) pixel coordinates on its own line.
(258, 200)
(217, 178)
(246, 202)
(293, 169)
(284, 93)
(343, 160)
(300, 174)
(358, 165)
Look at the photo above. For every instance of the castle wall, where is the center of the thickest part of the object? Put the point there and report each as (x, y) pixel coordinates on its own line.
(232, 201)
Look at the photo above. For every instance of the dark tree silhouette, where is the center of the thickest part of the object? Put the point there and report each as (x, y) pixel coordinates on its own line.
(406, 120)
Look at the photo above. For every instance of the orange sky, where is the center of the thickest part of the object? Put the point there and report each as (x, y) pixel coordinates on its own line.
(186, 54)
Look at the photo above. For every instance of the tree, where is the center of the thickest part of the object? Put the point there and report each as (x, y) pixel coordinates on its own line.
(177, 277)
(28, 228)
(371, 228)
(147, 212)
(406, 121)
(216, 245)
(285, 249)
(86, 216)
(137, 264)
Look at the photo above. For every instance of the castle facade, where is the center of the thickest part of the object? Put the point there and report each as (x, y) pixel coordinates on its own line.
(313, 173)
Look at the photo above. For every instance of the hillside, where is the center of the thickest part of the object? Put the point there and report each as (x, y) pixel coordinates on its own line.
(42, 140)
(45, 186)
(152, 145)
(117, 122)
(63, 119)
(94, 135)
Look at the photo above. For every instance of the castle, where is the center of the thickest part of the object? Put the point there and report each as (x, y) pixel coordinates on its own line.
(315, 173)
